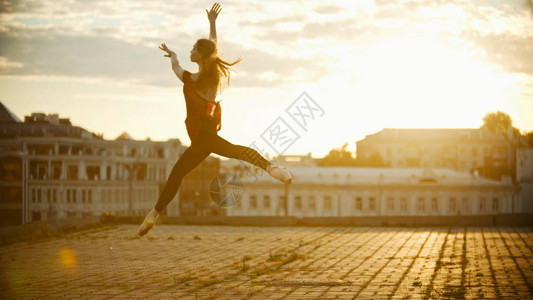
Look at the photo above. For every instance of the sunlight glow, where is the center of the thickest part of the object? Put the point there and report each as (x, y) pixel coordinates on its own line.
(422, 74)
(370, 64)
(67, 257)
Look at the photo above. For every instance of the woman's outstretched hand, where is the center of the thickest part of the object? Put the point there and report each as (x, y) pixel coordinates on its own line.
(168, 51)
(213, 14)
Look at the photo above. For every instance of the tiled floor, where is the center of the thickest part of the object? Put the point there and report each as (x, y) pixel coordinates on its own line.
(230, 262)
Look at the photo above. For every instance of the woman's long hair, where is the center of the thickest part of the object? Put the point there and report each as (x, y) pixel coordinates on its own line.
(214, 68)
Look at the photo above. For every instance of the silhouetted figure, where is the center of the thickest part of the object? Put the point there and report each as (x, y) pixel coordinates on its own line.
(204, 119)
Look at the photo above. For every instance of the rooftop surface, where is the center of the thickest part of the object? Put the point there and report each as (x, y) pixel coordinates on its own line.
(239, 262)
(366, 175)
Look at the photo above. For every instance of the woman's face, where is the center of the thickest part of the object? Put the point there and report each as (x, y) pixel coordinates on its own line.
(195, 55)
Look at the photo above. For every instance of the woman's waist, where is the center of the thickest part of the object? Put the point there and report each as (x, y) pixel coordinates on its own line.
(200, 121)
(204, 109)
(199, 118)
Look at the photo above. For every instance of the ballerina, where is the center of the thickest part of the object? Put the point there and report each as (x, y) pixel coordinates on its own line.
(204, 119)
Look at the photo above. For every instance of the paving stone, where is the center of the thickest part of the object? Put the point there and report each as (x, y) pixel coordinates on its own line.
(239, 262)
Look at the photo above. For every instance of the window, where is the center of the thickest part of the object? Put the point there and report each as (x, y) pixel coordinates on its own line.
(39, 196)
(266, 201)
(421, 204)
(48, 195)
(359, 203)
(452, 205)
(253, 201)
(390, 204)
(36, 216)
(435, 204)
(466, 206)
(482, 205)
(68, 196)
(33, 196)
(54, 195)
(372, 203)
(72, 172)
(63, 149)
(93, 172)
(403, 204)
(327, 202)
(495, 204)
(298, 202)
(312, 202)
(281, 202)
(56, 171)
(90, 196)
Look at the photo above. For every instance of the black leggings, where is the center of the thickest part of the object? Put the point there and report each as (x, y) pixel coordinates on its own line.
(208, 142)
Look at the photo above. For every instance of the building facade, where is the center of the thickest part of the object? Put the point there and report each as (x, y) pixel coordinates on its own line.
(338, 191)
(194, 198)
(466, 150)
(524, 176)
(524, 164)
(50, 169)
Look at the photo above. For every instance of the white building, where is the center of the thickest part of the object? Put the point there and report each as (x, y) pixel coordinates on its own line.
(464, 150)
(296, 160)
(347, 191)
(524, 165)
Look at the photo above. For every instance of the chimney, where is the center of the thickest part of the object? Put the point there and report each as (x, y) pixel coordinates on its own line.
(38, 117)
(53, 118)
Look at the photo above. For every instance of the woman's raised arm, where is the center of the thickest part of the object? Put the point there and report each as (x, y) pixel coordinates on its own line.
(178, 70)
(212, 17)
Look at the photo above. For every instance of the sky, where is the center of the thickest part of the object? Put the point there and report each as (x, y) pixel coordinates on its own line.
(361, 65)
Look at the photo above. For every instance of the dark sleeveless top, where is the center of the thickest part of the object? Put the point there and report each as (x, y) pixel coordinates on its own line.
(197, 110)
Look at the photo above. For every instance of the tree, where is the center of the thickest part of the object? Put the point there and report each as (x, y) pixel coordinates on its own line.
(339, 157)
(528, 139)
(374, 160)
(499, 122)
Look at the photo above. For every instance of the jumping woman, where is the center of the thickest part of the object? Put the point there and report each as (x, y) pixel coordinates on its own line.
(204, 119)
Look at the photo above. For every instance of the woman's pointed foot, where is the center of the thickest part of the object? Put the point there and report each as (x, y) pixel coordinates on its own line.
(280, 173)
(148, 223)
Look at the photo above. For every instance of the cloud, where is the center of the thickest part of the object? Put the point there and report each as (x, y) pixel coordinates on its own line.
(15, 6)
(117, 39)
(80, 56)
(341, 31)
(328, 9)
(6, 64)
(270, 22)
(101, 56)
(257, 62)
(512, 52)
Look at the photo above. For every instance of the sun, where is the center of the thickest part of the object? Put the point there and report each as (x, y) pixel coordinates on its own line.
(422, 82)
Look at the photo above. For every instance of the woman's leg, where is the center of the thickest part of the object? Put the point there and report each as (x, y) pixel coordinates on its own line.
(222, 147)
(186, 163)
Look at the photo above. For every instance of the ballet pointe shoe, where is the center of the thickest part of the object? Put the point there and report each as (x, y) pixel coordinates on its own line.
(148, 223)
(280, 173)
